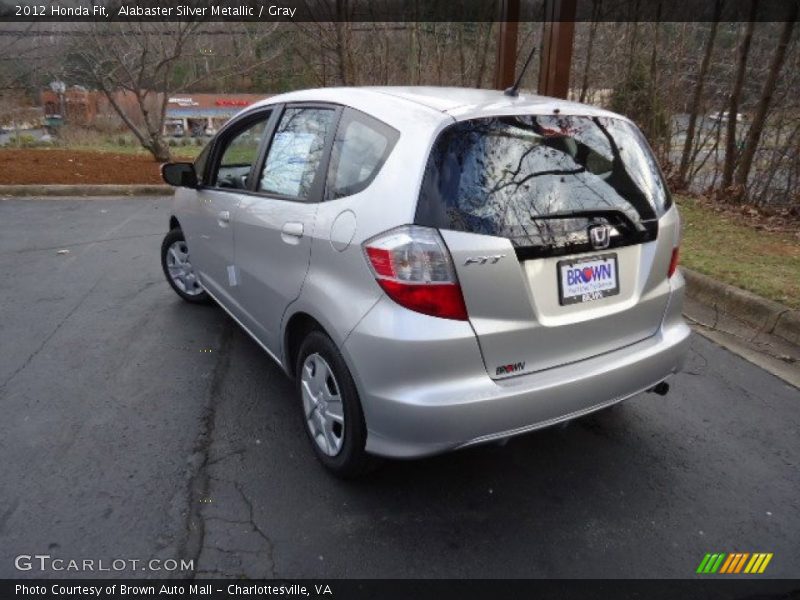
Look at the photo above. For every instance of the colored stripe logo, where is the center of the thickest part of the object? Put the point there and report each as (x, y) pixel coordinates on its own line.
(736, 562)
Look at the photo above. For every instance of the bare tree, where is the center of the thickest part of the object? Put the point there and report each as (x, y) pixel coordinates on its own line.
(697, 96)
(327, 46)
(135, 66)
(482, 52)
(587, 65)
(760, 116)
(633, 25)
(138, 63)
(654, 101)
(735, 98)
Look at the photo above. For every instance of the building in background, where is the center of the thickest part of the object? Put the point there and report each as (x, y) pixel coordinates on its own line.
(74, 104)
(186, 115)
(203, 114)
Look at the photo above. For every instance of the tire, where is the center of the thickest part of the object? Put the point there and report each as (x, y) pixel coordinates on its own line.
(181, 274)
(318, 352)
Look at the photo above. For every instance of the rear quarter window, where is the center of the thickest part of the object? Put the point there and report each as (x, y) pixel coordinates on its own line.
(360, 149)
(541, 180)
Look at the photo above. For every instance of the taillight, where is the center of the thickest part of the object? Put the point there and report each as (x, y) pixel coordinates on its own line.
(673, 262)
(414, 268)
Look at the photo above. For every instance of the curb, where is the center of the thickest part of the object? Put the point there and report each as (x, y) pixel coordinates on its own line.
(765, 315)
(87, 190)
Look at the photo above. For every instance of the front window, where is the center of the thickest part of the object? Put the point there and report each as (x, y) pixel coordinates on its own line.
(294, 156)
(239, 153)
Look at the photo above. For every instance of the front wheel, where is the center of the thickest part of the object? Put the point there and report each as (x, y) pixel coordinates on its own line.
(332, 411)
(179, 270)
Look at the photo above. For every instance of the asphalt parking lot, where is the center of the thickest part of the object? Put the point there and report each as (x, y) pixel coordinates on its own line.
(136, 426)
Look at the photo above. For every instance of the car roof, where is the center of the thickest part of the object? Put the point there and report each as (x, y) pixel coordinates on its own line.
(394, 104)
(459, 101)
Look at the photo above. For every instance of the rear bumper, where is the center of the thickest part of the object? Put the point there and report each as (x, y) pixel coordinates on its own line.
(429, 392)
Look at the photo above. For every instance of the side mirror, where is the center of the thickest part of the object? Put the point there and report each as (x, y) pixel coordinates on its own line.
(179, 174)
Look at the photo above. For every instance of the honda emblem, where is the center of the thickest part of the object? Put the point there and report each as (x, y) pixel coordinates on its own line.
(599, 236)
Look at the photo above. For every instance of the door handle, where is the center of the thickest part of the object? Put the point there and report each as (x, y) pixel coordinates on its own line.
(292, 232)
(223, 218)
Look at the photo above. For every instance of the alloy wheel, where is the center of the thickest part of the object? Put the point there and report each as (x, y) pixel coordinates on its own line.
(322, 404)
(181, 270)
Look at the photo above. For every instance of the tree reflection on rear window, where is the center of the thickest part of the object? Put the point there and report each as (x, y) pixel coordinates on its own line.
(537, 179)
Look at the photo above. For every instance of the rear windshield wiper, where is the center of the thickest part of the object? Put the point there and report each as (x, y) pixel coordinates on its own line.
(630, 233)
(613, 216)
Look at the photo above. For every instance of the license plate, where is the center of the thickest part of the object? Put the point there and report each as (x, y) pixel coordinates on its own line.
(587, 279)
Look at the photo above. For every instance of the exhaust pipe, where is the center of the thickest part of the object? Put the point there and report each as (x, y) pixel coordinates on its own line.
(662, 389)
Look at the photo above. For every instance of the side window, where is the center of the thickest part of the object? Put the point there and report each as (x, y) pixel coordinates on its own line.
(238, 154)
(361, 147)
(295, 153)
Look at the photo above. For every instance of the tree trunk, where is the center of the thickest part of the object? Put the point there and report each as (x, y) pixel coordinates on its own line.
(760, 116)
(341, 43)
(654, 106)
(589, 47)
(341, 55)
(483, 51)
(634, 35)
(413, 70)
(386, 56)
(439, 53)
(697, 97)
(159, 149)
(736, 93)
(462, 62)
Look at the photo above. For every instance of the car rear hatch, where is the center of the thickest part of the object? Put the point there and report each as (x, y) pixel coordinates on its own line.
(560, 233)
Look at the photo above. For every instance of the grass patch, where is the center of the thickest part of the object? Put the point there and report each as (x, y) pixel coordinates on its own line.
(85, 139)
(136, 150)
(764, 262)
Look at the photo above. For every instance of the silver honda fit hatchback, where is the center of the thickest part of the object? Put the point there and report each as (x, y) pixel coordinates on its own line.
(435, 267)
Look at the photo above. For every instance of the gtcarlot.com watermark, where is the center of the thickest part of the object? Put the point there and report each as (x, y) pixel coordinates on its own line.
(49, 564)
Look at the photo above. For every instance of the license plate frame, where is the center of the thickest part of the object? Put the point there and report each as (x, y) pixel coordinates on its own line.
(589, 295)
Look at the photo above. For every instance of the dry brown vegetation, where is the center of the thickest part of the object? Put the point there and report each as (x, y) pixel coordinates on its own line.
(46, 166)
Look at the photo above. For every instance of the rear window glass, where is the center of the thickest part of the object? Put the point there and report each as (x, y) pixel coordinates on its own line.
(541, 180)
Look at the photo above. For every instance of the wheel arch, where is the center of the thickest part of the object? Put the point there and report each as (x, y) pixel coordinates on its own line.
(299, 325)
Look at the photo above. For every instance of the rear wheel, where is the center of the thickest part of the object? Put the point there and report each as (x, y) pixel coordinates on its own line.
(179, 270)
(332, 412)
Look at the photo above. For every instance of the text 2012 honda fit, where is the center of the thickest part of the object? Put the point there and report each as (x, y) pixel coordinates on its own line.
(436, 267)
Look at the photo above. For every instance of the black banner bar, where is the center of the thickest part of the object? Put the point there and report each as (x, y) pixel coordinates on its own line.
(263, 11)
(710, 588)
